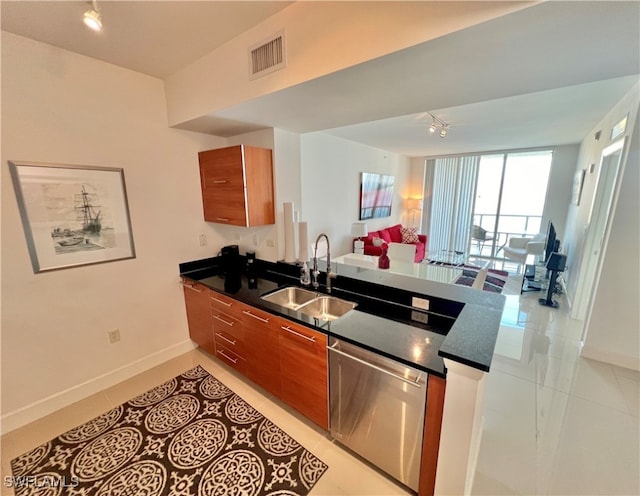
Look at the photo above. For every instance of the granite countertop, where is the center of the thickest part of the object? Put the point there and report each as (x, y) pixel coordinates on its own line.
(462, 323)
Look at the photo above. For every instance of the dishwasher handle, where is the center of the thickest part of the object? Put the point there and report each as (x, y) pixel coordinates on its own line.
(415, 383)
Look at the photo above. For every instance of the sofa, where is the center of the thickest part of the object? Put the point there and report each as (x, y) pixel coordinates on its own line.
(394, 234)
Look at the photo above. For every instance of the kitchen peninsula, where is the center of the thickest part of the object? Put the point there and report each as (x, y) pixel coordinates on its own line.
(444, 330)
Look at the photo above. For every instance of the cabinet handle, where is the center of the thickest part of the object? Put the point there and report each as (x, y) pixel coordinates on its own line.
(233, 343)
(191, 287)
(223, 219)
(220, 181)
(220, 301)
(227, 356)
(230, 324)
(247, 312)
(288, 329)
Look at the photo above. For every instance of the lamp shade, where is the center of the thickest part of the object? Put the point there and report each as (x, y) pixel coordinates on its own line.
(414, 204)
(359, 229)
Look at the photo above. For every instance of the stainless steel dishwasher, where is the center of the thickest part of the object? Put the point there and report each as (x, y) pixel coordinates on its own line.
(377, 409)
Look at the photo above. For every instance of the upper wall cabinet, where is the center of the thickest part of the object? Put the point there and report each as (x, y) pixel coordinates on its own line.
(237, 185)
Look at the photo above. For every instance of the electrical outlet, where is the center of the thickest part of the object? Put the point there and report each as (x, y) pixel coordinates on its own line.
(270, 243)
(203, 240)
(420, 303)
(114, 336)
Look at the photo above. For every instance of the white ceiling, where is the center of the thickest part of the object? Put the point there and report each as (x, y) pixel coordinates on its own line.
(153, 37)
(544, 75)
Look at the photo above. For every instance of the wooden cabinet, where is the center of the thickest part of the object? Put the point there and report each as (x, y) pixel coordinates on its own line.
(196, 297)
(303, 367)
(228, 333)
(287, 359)
(262, 350)
(237, 185)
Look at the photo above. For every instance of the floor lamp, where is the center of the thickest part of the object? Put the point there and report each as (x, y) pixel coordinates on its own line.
(358, 230)
(414, 205)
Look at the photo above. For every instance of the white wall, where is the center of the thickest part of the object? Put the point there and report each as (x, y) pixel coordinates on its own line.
(559, 187)
(578, 216)
(612, 325)
(331, 170)
(60, 107)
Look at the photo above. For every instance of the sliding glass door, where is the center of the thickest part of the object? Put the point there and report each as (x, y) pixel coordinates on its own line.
(510, 195)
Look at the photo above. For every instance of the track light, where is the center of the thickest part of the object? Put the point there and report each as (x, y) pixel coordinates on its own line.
(435, 123)
(92, 17)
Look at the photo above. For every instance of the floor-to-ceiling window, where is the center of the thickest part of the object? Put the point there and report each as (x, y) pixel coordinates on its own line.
(510, 195)
(475, 203)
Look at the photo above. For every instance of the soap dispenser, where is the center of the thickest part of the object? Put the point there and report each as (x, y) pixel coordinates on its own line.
(305, 276)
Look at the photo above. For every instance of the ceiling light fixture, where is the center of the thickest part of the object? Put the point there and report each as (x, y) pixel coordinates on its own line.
(435, 123)
(92, 17)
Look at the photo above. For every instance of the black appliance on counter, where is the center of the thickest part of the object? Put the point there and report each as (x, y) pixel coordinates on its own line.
(251, 271)
(231, 267)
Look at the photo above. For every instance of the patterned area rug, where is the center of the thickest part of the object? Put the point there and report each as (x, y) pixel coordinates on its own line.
(191, 436)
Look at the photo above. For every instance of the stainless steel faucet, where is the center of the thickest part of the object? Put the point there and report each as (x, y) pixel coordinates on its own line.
(316, 272)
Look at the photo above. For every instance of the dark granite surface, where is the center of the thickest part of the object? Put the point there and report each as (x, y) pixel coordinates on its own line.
(462, 323)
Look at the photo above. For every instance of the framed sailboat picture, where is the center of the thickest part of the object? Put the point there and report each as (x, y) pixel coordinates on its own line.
(72, 215)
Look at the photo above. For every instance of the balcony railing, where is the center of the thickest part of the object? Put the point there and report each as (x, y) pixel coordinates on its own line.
(509, 226)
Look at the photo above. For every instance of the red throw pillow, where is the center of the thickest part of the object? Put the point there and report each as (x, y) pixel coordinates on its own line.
(409, 234)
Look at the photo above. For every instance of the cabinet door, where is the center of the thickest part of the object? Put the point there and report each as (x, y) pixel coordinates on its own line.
(259, 186)
(223, 186)
(303, 365)
(237, 185)
(196, 298)
(262, 349)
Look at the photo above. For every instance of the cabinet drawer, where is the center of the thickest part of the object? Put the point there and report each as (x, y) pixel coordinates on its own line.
(224, 304)
(231, 358)
(230, 341)
(225, 322)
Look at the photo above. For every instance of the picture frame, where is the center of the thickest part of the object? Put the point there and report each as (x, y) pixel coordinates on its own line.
(578, 183)
(72, 215)
(376, 195)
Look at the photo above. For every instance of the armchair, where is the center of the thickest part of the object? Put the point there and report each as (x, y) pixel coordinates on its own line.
(519, 248)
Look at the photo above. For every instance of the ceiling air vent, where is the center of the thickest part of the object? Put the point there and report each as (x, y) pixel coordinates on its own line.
(267, 56)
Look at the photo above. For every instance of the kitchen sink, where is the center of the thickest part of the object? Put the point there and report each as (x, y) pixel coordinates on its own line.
(290, 297)
(327, 307)
(310, 303)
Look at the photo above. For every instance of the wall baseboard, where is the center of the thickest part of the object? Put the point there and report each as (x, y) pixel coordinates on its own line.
(27, 414)
(617, 359)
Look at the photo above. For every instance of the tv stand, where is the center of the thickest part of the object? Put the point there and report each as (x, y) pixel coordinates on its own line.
(548, 301)
(531, 279)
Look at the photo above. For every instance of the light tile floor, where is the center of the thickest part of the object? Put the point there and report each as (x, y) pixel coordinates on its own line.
(554, 423)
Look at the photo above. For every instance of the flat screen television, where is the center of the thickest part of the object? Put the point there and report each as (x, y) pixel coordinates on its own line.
(552, 242)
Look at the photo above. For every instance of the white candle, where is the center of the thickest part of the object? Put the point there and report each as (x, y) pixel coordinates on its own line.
(289, 233)
(303, 239)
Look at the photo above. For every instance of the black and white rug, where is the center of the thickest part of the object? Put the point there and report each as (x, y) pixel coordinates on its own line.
(191, 436)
